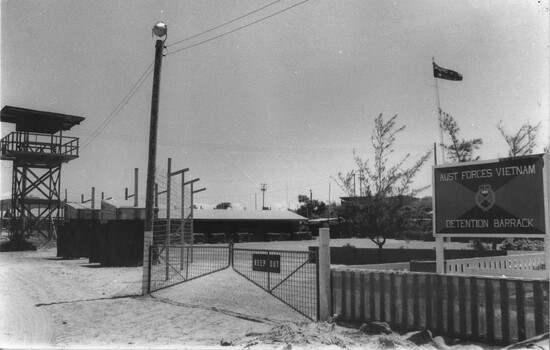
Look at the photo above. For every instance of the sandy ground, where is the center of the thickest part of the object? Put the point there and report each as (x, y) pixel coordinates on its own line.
(51, 303)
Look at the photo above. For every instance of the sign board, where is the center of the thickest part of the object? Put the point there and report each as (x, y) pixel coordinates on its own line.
(490, 198)
(266, 263)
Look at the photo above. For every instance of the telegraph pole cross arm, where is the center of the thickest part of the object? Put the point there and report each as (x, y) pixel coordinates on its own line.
(197, 191)
(89, 200)
(179, 172)
(191, 181)
(135, 195)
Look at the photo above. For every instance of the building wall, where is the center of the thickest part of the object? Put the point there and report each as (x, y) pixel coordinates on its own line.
(258, 229)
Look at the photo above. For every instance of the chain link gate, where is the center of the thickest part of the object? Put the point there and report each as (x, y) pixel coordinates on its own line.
(290, 276)
(176, 264)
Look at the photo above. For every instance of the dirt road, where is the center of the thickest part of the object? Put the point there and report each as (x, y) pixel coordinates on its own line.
(47, 302)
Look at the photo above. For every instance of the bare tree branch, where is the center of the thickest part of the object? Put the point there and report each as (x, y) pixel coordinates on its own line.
(459, 150)
(523, 141)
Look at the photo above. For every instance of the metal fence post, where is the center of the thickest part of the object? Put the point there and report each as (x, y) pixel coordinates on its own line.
(191, 223)
(187, 264)
(168, 227)
(268, 273)
(182, 219)
(325, 297)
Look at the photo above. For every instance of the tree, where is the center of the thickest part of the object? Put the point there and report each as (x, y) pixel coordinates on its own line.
(384, 187)
(523, 141)
(223, 205)
(459, 150)
(311, 208)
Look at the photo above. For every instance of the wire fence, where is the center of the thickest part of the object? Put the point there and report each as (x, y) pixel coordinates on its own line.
(173, 219)
(290, 276)
(171, 265)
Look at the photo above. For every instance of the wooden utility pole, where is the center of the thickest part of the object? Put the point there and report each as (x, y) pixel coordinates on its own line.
(151, 164)
(160, 31)
(263, 188)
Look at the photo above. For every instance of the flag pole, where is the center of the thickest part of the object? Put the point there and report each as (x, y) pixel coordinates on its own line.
(439, 118)
(439, 241)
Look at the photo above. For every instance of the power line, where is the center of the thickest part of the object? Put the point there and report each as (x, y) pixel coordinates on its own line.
(271, 192)
(238, 28)
(120, 106)
(149, 70)
(224, 24)
(256, 149)
(225, 147)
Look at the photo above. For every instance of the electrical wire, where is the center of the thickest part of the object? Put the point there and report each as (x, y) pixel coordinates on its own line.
(237, 29)
(258, 149)
(223, 24)
(119, 107)
(149, 70)
(267, 192)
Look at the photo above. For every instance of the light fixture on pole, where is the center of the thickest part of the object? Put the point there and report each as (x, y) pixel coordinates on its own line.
(160, 29)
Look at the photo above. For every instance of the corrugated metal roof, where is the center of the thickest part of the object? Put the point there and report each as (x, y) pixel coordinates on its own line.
(38, 121)
(204, 214)
(76, 205)
(232, 215)
(210, 214)
(323, 220)
(121, 203)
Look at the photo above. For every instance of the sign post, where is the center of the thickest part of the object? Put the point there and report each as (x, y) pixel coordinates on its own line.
(546, 186)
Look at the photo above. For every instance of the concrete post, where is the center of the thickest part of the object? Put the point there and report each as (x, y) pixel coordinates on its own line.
(325, 297)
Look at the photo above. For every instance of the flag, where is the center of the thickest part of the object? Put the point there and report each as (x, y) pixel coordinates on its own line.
(447, 74)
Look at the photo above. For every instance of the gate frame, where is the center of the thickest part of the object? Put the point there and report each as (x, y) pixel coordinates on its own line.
(270, 289)
(323, 284)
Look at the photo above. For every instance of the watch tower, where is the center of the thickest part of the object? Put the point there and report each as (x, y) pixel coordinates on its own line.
(37, 149)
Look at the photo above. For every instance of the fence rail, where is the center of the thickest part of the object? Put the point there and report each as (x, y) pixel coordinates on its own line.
(20, 141)
(493, 309)
(524, 265)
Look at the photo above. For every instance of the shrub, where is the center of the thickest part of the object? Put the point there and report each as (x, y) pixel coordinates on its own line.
(15, 245)
(522, 244)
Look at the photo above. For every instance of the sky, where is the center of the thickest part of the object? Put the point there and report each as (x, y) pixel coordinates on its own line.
(279, 97)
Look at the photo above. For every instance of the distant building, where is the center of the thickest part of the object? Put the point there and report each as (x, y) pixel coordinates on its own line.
(80, 211)
(257, 223)
(205, 221)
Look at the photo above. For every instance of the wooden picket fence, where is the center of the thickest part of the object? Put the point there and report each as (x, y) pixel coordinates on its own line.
(492, 309)
(521, 265)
